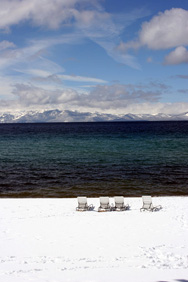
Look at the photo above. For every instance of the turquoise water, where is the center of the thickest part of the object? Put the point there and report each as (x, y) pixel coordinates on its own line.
(92, 159)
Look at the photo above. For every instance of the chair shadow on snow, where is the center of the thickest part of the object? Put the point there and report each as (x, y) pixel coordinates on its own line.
(178, 280)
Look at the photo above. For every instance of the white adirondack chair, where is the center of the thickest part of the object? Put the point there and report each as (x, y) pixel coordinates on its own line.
(119, 204)
(82, 204)
(104, 204)
(148, 205)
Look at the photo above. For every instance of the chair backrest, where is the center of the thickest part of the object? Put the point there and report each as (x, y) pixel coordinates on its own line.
(104, 202)
(82, 202)
(119, 201)
(147, 202)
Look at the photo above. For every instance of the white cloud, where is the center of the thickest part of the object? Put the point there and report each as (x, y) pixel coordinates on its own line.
(155, 108)
(47, 13)
(105, 30)
(120, 94)
(29, 95)
(31, 66)
(166, 30)
(86, 16)
(178, 56)
(49, 74)
(31, 61)
(59, 78)
(111, 99)
(51, 13)
(35, 51)
(6, 44)
(6, 87)
(42, 73)
(78, 78)
(102, 97)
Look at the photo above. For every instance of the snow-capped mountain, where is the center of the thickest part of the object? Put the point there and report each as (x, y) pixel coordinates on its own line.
(75, 116)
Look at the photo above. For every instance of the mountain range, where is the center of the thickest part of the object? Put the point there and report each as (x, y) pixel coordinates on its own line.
(75, 116)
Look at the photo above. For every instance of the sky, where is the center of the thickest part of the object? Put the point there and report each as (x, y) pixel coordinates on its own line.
(105, 56)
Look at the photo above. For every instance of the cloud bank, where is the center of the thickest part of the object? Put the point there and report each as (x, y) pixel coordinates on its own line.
(102, 96)
(115, 99)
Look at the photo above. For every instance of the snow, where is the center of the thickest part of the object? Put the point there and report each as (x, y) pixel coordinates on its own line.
(47, 240)
(55, 115)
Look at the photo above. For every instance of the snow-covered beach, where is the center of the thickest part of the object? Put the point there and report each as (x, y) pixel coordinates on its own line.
(47, 240)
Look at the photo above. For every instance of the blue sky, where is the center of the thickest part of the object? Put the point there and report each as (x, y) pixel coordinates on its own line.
(102, 56)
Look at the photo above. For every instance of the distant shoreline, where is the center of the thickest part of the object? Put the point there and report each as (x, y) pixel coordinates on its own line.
(55, 115)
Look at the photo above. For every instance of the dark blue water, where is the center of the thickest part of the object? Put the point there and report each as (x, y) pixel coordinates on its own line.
(94, 159)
